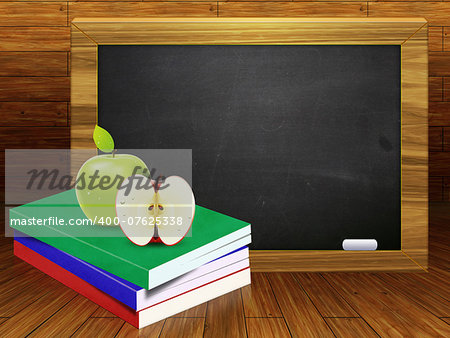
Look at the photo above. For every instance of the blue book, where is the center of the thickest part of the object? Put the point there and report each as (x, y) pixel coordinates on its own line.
(131, 294)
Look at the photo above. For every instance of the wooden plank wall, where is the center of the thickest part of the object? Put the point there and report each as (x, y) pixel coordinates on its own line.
(35, 70)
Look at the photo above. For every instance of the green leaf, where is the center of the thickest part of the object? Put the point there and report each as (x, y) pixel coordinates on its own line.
(103, 140)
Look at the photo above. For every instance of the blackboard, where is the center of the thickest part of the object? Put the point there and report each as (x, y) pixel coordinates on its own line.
(303, 142)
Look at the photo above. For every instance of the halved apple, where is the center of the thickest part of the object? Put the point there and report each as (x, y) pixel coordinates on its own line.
(176, 207)
(132, 202)
(148, 212)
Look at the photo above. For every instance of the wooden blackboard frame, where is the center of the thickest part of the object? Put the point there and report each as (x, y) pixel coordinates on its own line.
(410, 33)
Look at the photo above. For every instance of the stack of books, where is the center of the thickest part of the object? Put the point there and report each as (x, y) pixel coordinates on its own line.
(140, 284)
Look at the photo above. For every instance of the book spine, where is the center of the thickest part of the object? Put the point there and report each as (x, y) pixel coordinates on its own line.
(77, 284)
(85, 271)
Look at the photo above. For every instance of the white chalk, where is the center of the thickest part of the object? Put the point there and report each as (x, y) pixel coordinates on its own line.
(359, 244)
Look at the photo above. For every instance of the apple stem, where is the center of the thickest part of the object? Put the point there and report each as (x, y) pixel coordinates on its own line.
(114, 152)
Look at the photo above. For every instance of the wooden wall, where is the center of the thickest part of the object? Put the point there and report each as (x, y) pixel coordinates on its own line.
(35, 70)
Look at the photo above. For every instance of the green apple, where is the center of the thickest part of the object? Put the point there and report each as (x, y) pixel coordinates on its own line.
(100, 177)
(98, 181)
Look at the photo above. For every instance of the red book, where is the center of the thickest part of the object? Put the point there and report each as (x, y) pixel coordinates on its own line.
(146, 316)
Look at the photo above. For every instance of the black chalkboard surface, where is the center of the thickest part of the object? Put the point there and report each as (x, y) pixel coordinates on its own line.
(303, 142)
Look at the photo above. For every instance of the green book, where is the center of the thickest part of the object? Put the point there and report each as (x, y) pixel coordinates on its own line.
(213, 235)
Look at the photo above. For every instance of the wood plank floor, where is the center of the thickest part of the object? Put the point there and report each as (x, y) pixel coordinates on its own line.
(275, 305)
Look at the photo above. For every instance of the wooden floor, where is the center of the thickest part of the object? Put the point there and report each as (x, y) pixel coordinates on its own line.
(275, 305)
